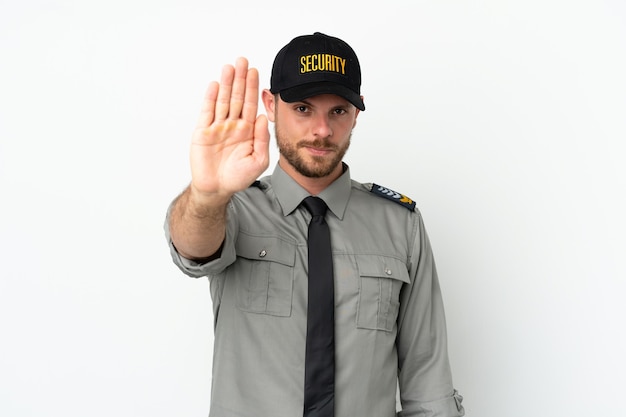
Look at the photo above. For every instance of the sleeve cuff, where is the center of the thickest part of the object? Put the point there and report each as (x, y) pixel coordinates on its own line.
(196, 269)
(450, 406)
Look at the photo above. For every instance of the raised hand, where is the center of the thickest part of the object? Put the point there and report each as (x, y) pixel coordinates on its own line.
(230, 145)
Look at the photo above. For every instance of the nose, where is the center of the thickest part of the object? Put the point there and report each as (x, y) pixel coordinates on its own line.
(321, 126)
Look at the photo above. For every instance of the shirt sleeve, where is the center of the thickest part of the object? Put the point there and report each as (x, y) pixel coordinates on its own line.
(195, 269)
(425, 378)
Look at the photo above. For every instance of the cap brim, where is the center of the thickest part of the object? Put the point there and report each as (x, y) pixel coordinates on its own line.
(304, 91)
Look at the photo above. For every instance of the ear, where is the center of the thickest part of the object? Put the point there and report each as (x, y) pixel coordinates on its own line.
(269, 101)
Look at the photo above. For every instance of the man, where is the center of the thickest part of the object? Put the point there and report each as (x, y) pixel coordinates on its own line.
(278, 351)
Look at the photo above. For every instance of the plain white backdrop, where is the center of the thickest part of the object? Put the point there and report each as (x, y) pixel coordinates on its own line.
(503, 119)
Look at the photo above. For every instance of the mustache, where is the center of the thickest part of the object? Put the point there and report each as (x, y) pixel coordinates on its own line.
(317, 143)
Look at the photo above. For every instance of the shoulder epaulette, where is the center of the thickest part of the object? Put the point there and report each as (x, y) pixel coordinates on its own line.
(393, 196)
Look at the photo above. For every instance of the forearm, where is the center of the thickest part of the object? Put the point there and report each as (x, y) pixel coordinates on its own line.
(198, 224)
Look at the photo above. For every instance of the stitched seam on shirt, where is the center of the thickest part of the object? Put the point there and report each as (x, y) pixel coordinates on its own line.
(387, 304)
(380, 302)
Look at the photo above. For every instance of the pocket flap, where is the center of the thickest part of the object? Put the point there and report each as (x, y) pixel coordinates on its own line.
(265, 248)
(383, 267)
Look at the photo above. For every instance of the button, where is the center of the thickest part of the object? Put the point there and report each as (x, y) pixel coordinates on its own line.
(388, 271)
(262, 253)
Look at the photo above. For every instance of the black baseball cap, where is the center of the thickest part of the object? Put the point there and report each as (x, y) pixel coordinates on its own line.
(316, 64)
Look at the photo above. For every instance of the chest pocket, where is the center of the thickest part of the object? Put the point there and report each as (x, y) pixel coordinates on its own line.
(380, 281)
(264, 274)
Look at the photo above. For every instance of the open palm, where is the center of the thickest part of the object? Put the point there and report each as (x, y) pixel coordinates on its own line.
(230, 145)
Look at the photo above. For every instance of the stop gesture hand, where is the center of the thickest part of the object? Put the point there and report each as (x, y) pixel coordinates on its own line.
(230, 144)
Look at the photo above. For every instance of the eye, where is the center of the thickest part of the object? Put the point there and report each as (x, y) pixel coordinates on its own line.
(339, 111)
(301, 108)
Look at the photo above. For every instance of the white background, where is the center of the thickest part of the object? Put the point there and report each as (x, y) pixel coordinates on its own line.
(504, 120)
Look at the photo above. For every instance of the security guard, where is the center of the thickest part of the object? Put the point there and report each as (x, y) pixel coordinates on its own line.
(250, 239)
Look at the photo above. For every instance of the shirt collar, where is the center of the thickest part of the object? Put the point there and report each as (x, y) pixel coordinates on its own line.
(290, 194)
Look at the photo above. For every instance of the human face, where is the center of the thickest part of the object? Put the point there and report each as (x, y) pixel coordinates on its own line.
(313, 135)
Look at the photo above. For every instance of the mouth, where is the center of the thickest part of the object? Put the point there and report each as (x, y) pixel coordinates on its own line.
(318, 151)
(317, 148)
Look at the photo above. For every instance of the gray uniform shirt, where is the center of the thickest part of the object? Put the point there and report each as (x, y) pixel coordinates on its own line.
(390, 325)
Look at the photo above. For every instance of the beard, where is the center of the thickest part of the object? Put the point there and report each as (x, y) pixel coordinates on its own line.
(316, 166)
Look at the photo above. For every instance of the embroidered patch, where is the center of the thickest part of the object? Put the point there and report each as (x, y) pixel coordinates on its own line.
(393, 196)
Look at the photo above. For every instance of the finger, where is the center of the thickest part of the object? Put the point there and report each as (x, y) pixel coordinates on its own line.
(261, 135)
(261, 142)
(251, 99)
(222, 104)
(239, 88)
(207, 113)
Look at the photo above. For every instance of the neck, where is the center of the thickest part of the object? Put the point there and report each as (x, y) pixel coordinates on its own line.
(313, 185)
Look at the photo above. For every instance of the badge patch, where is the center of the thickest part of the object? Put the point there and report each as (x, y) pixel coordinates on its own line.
(393, 196)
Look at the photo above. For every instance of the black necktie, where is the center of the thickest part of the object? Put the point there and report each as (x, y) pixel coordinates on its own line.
(319, 371)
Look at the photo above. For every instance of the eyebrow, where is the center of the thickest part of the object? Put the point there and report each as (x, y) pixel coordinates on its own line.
(305, 101)
(342, 105)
